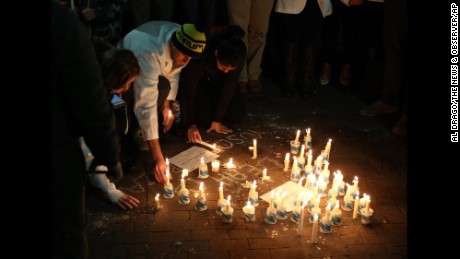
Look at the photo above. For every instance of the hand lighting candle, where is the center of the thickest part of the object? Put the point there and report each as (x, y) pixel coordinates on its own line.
(286, 162)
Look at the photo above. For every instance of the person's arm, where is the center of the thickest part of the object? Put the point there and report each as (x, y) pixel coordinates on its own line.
(190, 77)
(81, 90)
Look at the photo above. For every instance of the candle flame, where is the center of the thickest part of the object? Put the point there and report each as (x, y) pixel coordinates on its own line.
(248, 203)
(184, 173)
(308, 130)
(202, 160)
(287, 156)
(201, 186)
(254, 183)
(167, 161)
(228, 198)
(157, 196)
(221, 184)
(316, 216)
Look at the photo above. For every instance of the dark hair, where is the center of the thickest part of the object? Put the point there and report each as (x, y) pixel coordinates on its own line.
(231, 50)
(117, 65)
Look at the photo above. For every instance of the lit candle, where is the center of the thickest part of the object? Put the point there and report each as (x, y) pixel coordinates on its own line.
(182, 181)
(157, 201)
(227, 212)
(203, 169)
(307, 139)
(264, 175)
(248, 211)
(302, 215)
(168, 187)
(184, 192)
(355, 208)
(286, 162)
(327, 149)
(302, 151)
(215, 165)
(314, 230)
(296, 141)
(229, 205)
(295, 174)
(310, 157)
(167, 164)
(254, 149)
(368, 204)
(230, 164)
(271, 205)
(253, 195)
(221, 190)
(355, 183)
(201, 191)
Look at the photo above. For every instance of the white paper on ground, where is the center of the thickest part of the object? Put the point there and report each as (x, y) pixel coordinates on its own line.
(292, 193)
(190, 158)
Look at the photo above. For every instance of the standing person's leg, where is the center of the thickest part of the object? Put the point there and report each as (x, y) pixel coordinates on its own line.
(239, 14)
(69, 216)
(257, 36)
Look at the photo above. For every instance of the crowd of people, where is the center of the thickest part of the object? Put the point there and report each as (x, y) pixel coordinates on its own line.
(114, 82)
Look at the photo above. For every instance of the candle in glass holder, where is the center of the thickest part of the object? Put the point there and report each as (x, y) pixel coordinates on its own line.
(203, 169)
(249, 212)
(168, 191)
(230, 164)
(221, 202)
(271, 211)
(201, 201)
(215, 166)
(183, 192)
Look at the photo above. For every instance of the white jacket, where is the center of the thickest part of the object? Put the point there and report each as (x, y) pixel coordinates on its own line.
(150, 44)
(296, 6)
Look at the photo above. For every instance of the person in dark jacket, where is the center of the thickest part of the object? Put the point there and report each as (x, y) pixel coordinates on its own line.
(208, 86)
(80, 108)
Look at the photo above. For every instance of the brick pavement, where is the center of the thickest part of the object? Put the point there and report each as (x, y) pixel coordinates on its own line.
(364, 147)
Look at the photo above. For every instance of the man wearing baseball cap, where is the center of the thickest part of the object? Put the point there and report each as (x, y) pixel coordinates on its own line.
(163, 48)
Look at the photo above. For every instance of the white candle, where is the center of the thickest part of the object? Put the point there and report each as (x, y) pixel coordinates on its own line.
(302, 215)
(221, 191)
(310, 157)
(327, 149)
(229, 206)
(368, 204)
(201, 191)
(294, 167)
(272, 194)
(167, 177)
(157, 201)
(182, 183)
(264, 175)
(167, 164)
(355, 208)
(296, 141)
(355, 183)
(248, 209)
(215, 165)
(314, 230)
(286, 162)
(307, 137)
(302, 151)
(254, 149)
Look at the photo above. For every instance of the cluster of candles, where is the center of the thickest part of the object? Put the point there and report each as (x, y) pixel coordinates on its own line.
(309, 193)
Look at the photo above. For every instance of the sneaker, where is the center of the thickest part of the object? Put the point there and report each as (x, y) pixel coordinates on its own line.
(378, 108)
(139, 140)
(243, 87)
(400, 128)
(254, 86)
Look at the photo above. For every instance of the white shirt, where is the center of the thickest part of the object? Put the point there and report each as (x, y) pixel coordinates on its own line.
(150, 44)
(296, 6)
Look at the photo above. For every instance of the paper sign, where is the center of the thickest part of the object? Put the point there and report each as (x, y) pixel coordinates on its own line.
(292, 193)
(190, 158)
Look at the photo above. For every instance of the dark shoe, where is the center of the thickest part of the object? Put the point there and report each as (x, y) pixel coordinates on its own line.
(378, 108)
(243, 87)
(254, 86)
(400, 128)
